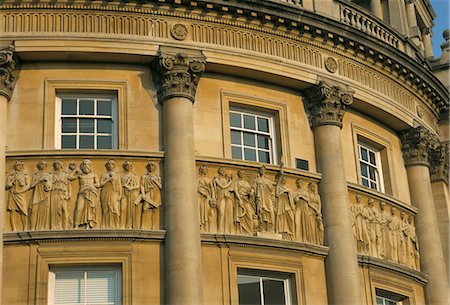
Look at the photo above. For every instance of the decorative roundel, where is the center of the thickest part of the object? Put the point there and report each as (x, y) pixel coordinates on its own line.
(179, 31)
(331, 64)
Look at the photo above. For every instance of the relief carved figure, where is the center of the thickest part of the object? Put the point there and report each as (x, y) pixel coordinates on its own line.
(17, 183)
(301, 201)
(130, 218)
(222, 184)
(41, 184)
(206, 202)
(384, 220)
(394, 229)
(110, 196)
(265, 201)
(362, 235)
(374, 230)
(61, 192)
(285, 216)
(150, 189)
(413, 246)
(315, 206)
(402, 238)
(87, 206)
(245, 210)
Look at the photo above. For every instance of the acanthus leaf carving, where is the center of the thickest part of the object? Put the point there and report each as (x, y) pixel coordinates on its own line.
(419, 146)
(8, 64)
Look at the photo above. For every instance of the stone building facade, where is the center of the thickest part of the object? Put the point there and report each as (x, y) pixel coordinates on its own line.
(223, 152)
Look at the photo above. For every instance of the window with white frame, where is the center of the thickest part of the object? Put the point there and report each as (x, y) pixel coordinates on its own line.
(87, 121)
(252, 136)
(384, 297)
(370, 167)
(85, 285)
(256, 287)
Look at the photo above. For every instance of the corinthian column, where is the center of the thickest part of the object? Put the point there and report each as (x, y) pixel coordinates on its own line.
(176, 74)
(8, 64)
(419, 146)
(326, 107)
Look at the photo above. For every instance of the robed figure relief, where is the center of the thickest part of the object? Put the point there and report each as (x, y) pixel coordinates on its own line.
(360, 216)
(384, 220)
(206, 201)
(285, 215)
(375, 233)
(244, 210)
(41, 184)
(17, 183)
(301, 201)
(222, 184)
(149, 197)
(130, 218)
(264, 189)
(394, 229)
(315, 213)
(59, 203)
(110, 196)
(87, 207)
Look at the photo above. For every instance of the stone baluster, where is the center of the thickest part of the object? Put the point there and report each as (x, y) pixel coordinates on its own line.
(176, 75)
(419, 146)
(8, 63)
(326, 104)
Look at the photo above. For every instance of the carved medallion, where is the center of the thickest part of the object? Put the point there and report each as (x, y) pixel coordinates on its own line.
(331, 64)
(179, 31)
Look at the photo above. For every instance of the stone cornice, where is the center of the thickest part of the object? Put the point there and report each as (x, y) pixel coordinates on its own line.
(327, 103)
(439, 163)
(176, 73)
(419, 146)
(281, 19)
(8, 63)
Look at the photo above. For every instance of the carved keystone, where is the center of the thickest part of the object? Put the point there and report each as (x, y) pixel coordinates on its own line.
(176, 73)
(8, 63)
(419, 146)
(327, 103)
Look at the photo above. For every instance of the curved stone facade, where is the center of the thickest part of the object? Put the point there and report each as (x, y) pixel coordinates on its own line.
(195, 148)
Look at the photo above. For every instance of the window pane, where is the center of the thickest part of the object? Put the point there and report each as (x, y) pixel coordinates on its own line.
(86, 107)
(263, 124)
(104, 107)
(69, 106)
(364, 154)
(365, 182)
(69, 125)
(104, 142)
(249, 154)
(235, 119)
(263, 156)
(104, 126)
(87, 125)
(372, 158)
(249, 122)
(263, 142)
(69, 142)
(235, 137)
(373, 185)
(379, 301)
(364, 170)
(86, 142)
(373, 173)
(236, 152)
(101, 287)
(273, 292)
(249, 290)
(249, 139)
(69, 287)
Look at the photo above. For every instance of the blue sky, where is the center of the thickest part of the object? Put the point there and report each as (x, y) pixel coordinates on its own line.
(442, 8)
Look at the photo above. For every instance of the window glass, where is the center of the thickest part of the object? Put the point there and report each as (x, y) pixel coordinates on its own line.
(370, 167)
(252, 136)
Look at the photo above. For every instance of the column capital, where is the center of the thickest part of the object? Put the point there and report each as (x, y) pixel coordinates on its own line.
(176, 72)
(326, 103)
(439, 163)
(8, 63)
(419, 146)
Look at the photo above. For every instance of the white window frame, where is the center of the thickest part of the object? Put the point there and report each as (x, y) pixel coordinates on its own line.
(275, 276)
(388, 298)
(271, 134)
(379, 182)
(87, 95)
(85, 269)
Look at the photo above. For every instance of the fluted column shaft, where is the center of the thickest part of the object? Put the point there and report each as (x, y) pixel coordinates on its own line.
(176, 75)
(419, 146)
(326, 105)
(8, 63)
(426, 39)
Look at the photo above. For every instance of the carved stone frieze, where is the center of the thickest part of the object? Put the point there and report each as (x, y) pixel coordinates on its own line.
(439, 163)
(326, 104)
(419, 145)
(176, 73)
(8, 64)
